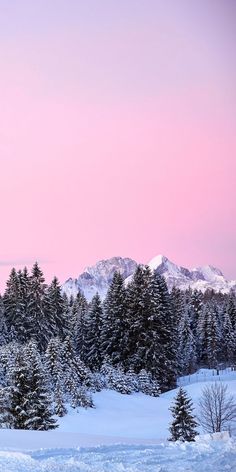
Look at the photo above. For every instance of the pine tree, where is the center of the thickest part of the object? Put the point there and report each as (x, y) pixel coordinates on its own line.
(231, 309)
(79, 324)
(59, 408)
(19, 393)
(229, 342)
(114, 326)
(186, 345)
(138, 312)
(39, 399)
(56, 309)
(4, 338)
(40, 328)
(93, 338)
(13, 305)
(183, 427)
(162, 344)
(206, 318)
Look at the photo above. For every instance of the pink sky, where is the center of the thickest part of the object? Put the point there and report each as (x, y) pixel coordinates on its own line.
(117, 133)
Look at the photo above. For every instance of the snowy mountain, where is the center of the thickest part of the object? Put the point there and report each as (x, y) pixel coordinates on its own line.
(98, 277)
(200, 278)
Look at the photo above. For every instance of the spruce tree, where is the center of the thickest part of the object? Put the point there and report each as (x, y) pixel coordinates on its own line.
(4, 338)
(39, 398)
(114, 326)
(161, 345)
(40, 326)
(186, 345)
(138, 313)
(183, 426)
(93, 338)
(56, 309)
(19, 389)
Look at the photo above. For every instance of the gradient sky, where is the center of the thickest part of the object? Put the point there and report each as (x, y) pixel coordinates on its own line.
(117, 133)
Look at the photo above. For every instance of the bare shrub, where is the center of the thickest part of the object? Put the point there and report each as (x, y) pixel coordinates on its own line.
(217, 408)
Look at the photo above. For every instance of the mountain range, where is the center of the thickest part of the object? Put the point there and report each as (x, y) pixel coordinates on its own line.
(98, 277)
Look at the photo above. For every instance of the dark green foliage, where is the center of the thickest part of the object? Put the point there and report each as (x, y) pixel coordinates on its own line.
(93, 356)
(183, 426)
(114, 327)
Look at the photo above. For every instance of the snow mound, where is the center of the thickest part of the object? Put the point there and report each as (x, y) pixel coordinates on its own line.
(202, 456)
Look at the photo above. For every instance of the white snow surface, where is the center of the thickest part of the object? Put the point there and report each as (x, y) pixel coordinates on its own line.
(98, 277)
(123, 433)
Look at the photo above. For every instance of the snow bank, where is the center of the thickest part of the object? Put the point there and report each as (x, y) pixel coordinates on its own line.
(202, 456)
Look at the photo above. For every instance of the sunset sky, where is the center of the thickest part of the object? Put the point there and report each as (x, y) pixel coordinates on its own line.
(117, 133)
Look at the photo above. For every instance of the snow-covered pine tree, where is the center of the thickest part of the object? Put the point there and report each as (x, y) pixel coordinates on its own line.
(13, 306)
(5, 416)
(39, 325)
(196, 305)
(118, 381)
(138, 313)
(228, 340)
(231, 309)
(79, 324)
(184, 424)
(19, 388)
(4, 338)
(208, 335)
(213, 337)
(186, 344)
(59, 405)
(56, 309)
(93, 336)
(114, 325)
(40, 416)
(148, 385)
(161, 338)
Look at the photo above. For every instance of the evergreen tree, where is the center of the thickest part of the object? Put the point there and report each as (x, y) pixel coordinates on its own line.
(40, 328)
(79, 324)
(59, 409)
(18, 410)
(114, 326)
(39, 398)
(186, 345)
(161, 348)
(231, 309)
(183, 427)
(228, 338)
(148, 385)
(4, 338)
(56, 309)
(93, 338)
(138, 312)
(13, 306)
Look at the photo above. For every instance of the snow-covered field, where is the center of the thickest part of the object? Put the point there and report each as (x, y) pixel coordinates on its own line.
(203, 456)
(124, 433)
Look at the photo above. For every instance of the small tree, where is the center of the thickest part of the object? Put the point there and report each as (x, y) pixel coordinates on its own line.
(217, 408)
(183, 427)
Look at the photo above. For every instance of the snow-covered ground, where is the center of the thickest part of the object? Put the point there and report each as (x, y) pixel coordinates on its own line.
(205, 455)
(123, 433)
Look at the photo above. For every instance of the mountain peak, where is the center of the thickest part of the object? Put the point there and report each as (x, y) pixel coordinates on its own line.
(157, 261)
(97, 278)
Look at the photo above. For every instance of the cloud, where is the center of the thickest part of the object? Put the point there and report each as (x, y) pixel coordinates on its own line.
(22, 262)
